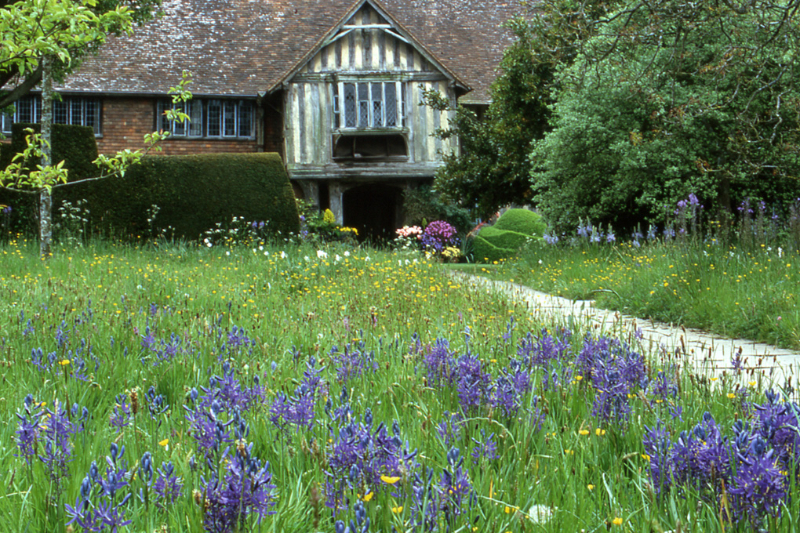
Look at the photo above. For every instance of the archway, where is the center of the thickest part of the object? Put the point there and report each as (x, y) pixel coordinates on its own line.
(373, 209)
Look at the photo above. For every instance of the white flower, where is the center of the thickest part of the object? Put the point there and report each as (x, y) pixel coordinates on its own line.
(307, 258)
(540, 261)
(266, 252)
(337, 258)
(366, 258)
(347, 254)
(227, 253)
(780, 252)
(283, 255)
(321, 254)
(540, 514)
(260, 247)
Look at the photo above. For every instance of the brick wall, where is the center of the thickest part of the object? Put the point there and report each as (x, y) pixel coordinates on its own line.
(127, 120)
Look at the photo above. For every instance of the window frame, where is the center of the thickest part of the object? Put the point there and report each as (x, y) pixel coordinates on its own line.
(211, 118)
(368, 98)
(75, 111)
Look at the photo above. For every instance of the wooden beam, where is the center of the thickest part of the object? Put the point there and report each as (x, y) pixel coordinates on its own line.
(336, 37)
(367, 27)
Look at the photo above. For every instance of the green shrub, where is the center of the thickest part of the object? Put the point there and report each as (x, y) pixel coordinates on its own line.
(75, 145)
(193, 194)
(508, 235)
(424, 205)
(522, 221)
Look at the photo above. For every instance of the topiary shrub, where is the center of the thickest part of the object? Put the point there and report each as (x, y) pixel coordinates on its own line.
(522, 221)
(508, 235)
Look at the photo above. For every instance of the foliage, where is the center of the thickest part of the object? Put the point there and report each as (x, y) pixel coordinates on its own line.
(522, 221)
(74, 145)
(321, 227)
(423, 204)
(513, 229)
(67, 31)
(665, 100)
(193, 194)
(493, 166)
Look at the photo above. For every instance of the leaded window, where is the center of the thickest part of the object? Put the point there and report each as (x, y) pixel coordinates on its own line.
(69, 110)
(369, 105)
(210, 118)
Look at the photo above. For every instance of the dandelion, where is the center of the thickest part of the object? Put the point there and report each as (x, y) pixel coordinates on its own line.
(617, 521)
(540, 514)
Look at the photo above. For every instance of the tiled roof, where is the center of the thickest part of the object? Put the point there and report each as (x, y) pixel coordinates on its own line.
(245, 47)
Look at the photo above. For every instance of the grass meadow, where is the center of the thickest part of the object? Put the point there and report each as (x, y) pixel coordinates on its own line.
(270, 388)
(751, 293)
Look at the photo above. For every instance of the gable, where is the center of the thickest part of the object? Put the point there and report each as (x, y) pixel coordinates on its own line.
(369, 41)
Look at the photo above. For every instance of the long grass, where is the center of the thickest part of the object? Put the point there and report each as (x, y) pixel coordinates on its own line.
(113, 321)
(752, 294)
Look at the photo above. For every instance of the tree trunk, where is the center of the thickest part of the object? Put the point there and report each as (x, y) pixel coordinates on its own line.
(45, 199)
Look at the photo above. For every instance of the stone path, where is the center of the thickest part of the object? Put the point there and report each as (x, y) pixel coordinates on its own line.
(762, 363)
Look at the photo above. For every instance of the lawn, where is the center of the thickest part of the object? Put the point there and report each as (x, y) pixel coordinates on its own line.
(290, 388)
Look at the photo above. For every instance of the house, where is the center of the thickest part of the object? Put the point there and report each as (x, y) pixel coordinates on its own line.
(334, 86)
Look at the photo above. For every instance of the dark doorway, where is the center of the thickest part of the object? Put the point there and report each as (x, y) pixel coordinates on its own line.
(372, 210)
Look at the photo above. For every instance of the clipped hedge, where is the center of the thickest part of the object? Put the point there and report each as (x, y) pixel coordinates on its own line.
(193, 193)
(510, 232)
(522, 221)
(75, 145)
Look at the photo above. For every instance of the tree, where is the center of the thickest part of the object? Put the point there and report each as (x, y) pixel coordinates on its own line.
(493, 165)
(48, 37)
(668, 98)
(65, 29)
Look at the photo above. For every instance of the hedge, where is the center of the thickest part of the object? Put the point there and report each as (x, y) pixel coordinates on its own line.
(193, 194)
(509, 233)
(75, 145)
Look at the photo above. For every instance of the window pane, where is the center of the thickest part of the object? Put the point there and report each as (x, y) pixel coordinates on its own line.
(60, 112)
(363, 105)
(246, 113)
(5, 122)
(91, 113)
(214, 118)
(75, 111)
(377, 105)
(350, 105)
(95, 112)
(390, 104)
(195, 112)
(230, 119)
(178, 127)
(25, 110)
(161, 122)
